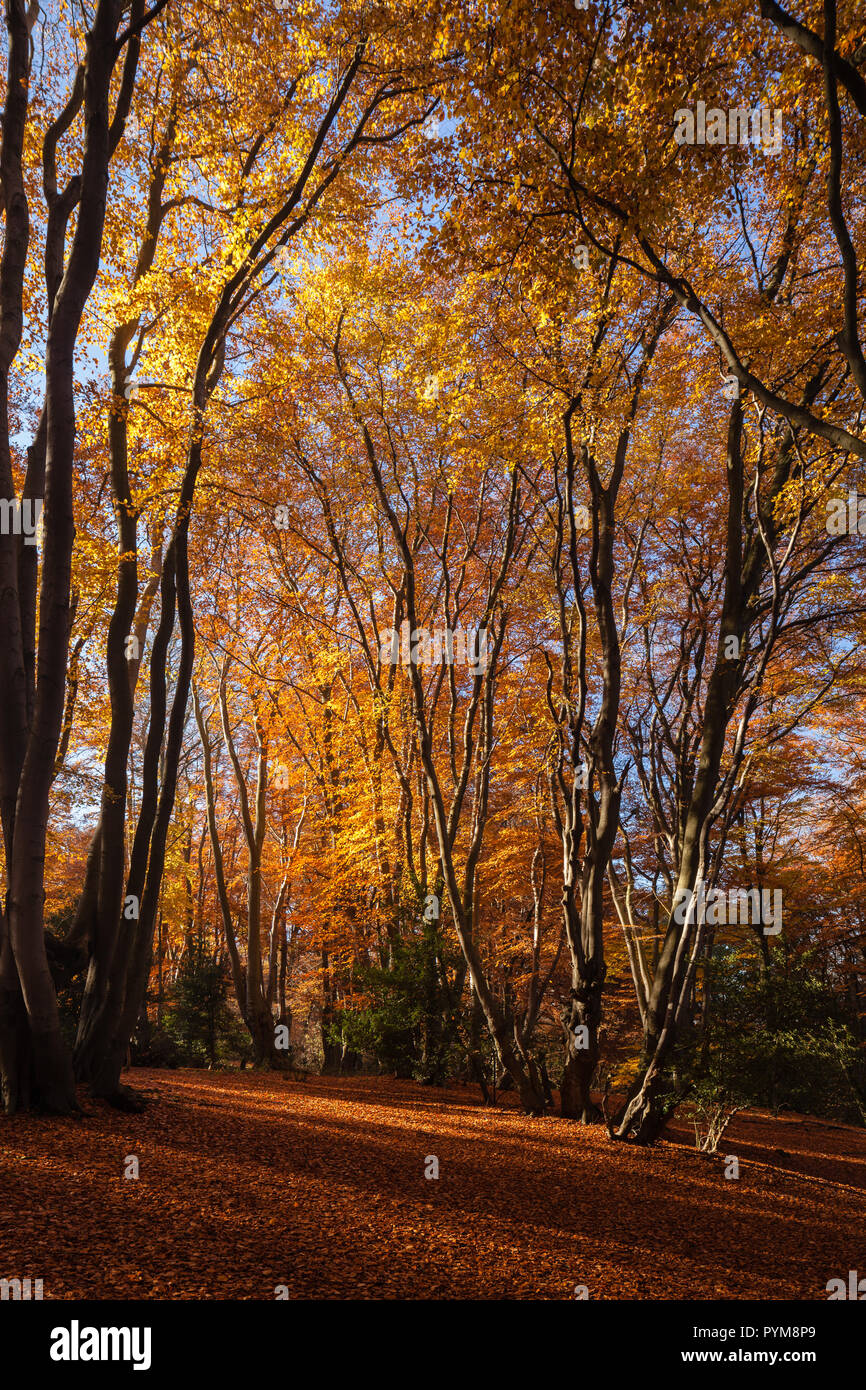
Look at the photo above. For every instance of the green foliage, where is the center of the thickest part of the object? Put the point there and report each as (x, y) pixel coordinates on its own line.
(199, 1020)
(408, 1023)
(776, 1038)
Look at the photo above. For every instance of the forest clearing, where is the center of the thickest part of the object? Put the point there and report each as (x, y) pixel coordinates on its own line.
(250, 1182)
(432, 671)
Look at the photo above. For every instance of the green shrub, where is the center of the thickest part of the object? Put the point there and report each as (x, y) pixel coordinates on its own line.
(199, 1022)
(408, 1024)
(776, 1038)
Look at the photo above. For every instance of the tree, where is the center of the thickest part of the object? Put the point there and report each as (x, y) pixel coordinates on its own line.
(34, 1063)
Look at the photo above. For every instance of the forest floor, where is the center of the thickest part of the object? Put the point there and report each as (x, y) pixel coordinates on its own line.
(250, 1181)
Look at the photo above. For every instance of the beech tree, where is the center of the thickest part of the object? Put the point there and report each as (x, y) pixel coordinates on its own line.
(33, 1060)
(451, 541)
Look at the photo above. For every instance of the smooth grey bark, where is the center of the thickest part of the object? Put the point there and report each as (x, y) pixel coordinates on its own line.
(255, 999)
(588, 835)
(99, 920)
(39, 1069)
(461, 896)
(109, 1043)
